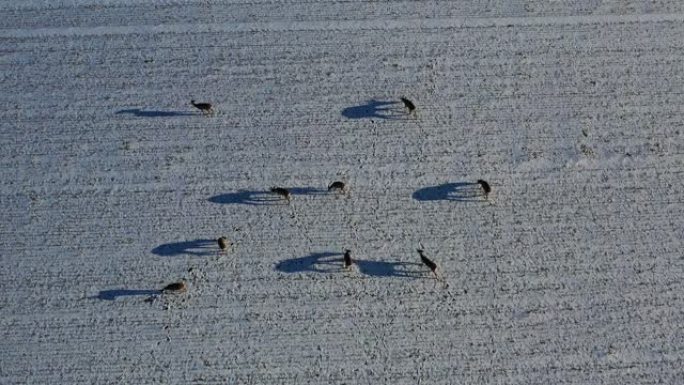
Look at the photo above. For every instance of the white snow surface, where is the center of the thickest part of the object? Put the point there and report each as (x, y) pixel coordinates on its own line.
(112, 186)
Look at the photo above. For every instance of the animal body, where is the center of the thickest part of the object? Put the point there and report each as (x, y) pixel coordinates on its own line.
(176, 287)
(347, 259)
(206, 108)
(485, 187)
(224, 244)
(283, 192)
(433, 267)
(409, 105)
(337, 186)
(427, 262)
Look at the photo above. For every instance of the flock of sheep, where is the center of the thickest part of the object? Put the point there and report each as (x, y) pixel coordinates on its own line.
(340, 187)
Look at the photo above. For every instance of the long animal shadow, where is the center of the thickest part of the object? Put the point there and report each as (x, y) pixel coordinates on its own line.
(153, 114)
(198, 247)
(329, 262)
(373, 109)
(308, 191)
(462, 191)
(111, 295)
(263, 197)
(326, 262)
(245, 197)
(390, 269)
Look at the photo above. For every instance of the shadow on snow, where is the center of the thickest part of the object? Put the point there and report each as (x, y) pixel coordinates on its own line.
(198, 247)
(263, 197)
(373, 109)
(462, 191)
(154, 114)
(111, 295)
(328, 262)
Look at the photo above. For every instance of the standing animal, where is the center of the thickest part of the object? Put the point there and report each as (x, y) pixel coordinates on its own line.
(428, 262)
(485, 187)
(176, 287)
(337, 186)
(223, 244)
(206, 108)
(347, 259)
(283, 192)
(409, 105)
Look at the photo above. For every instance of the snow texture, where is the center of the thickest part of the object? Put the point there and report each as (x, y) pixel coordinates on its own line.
(112, 186)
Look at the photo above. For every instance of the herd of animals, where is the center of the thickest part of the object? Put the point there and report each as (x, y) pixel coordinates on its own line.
(338, 186)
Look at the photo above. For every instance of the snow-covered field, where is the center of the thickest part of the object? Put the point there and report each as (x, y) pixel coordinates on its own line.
(112, 185)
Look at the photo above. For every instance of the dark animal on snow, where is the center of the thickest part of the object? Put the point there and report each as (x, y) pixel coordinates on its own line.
(427, 262)
(204, 107)
(433, 267)
(223, 243)
(408, 104)
(176, 287)
(347, 259)
(283, 192)
(485, 187)
(338, 186)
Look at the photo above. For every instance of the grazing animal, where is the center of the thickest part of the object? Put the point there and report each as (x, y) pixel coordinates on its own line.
(348, 261)
(338, 186)
(409, 105)
(485, 187)
(283, 192)
(176, 287)
(206, 108)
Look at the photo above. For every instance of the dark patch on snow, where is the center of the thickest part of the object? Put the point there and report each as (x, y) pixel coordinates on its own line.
(330, 262)
(198, 247)
(373, 109)
(462, 191)
(263, 197)
(154, 114)
(111, 295)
